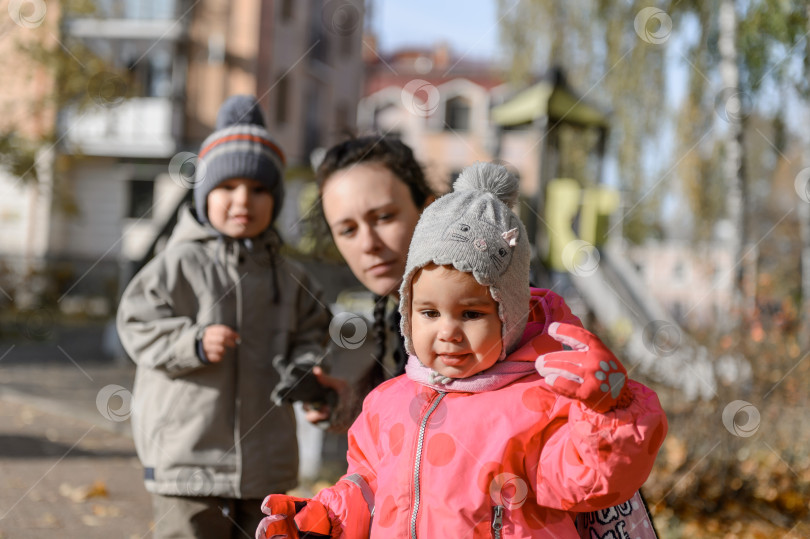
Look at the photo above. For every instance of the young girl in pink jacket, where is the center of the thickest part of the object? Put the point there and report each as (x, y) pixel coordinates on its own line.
(511, 418)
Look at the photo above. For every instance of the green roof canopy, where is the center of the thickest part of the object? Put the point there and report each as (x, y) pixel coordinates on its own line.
(544, 99)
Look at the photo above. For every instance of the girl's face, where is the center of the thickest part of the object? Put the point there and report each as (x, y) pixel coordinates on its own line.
(240, 208)
(372, 216)
(455, 326)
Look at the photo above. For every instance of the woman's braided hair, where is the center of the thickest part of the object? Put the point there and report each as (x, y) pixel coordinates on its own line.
(397, 157)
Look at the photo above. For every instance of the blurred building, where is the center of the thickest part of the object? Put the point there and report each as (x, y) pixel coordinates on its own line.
(693, 283)
(454, 111)
(438, 104)
(114, 171)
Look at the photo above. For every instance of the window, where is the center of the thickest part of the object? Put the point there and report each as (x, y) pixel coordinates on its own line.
(286, 10)
(282, 92)
(342, 127)
(679, 273)
(457, 114)
(141, 199)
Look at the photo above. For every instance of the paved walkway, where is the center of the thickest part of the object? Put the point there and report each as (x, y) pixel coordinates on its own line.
(68, 466)
(62, 476)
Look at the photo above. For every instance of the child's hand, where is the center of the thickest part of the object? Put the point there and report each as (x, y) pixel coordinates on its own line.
(586, 370)
(216, 339)
(290, 517)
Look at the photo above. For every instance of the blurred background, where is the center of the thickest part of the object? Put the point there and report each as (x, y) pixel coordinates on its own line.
(663, 150)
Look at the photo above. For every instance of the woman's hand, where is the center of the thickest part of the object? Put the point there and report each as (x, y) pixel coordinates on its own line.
(325, 413)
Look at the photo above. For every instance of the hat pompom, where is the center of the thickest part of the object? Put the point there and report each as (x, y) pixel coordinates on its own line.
(239, 110)
(492, 178)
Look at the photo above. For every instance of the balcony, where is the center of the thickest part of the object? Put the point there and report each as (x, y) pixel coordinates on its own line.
(131, 19)
(138, 127)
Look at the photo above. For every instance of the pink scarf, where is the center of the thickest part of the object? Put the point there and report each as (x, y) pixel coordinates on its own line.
(499, 375)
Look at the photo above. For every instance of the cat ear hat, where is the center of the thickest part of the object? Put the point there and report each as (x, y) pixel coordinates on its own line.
(474, 229)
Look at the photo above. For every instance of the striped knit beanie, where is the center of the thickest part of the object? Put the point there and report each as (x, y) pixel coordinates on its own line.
(240, 147)
(474, 230)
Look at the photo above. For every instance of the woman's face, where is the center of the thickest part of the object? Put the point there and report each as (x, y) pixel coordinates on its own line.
(372, 216)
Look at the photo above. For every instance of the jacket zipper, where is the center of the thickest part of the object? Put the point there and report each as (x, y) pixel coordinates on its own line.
(418, 461)
(497, 521)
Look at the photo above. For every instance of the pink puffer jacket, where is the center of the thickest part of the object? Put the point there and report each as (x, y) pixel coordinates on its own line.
(519, 461)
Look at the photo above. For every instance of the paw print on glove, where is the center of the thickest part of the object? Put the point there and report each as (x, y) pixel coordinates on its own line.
(585, 369)
(612, 378)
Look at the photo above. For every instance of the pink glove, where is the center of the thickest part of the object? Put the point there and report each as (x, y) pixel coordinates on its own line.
(586, 370)
(290, 518)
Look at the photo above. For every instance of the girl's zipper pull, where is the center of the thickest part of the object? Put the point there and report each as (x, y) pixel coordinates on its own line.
(497, 521)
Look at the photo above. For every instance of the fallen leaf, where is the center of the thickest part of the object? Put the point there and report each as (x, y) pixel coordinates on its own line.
(106, 511)
(47, 520)
(90, 520)
(82, 493)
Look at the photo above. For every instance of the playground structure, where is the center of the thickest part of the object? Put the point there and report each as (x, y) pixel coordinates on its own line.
(579, 252)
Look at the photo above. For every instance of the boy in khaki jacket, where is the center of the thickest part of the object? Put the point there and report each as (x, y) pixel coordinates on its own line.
(223, 330)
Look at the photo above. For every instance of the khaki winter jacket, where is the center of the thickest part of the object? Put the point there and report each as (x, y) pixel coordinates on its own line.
(211, 429)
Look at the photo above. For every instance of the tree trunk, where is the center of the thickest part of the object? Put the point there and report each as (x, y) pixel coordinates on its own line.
(731, 101)
(803, 188)
(804, 234)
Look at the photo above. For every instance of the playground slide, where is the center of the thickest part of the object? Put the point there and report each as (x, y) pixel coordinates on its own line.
(653, 342)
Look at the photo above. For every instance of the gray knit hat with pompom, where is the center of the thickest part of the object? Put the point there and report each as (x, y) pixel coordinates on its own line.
(474, 230)
(240, 147)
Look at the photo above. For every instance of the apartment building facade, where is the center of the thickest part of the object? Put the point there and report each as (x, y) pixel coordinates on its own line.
(114, 170)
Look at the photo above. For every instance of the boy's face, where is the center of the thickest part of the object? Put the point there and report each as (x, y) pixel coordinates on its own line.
(240, 208)
(455, 326)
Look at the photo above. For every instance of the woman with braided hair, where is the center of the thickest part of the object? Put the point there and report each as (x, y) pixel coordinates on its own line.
(372, 192)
